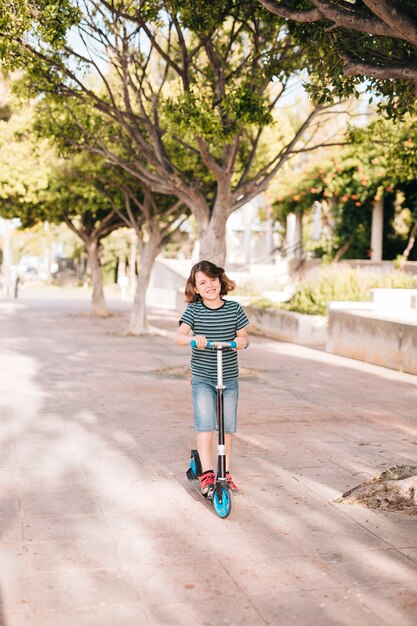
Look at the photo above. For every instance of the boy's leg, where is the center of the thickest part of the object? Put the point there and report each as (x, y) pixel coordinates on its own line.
(204, 406)
(205, 450)
(231, 395)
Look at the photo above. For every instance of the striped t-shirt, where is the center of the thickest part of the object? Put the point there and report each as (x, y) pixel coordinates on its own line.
(216, 325)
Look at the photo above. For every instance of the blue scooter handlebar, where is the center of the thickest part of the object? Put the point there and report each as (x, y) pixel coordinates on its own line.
(215, 344)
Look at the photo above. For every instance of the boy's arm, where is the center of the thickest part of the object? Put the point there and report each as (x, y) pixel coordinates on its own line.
(242, 339)
(183, 337)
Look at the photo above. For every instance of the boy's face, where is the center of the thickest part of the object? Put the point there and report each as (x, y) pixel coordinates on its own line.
(207, 287)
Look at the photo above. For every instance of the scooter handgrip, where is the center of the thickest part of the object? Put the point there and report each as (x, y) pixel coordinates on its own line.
(193, 343)
(233, 344)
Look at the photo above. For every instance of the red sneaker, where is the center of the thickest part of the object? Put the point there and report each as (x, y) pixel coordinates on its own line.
(231, 482)
(207, 480)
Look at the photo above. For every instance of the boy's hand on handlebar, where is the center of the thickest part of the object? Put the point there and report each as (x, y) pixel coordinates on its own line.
(240, 343)
(201, 341)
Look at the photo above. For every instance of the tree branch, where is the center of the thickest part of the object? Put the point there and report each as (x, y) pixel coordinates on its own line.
(352, 18)
(168, 231)
(208, 159)
(355, 67)
(252, 187)
(306, 15)
(391, 14)
(77, 231)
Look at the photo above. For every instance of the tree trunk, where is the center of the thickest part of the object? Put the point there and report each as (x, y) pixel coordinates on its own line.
(149, 251)
(132, 262)
(212, 237)
(98, 302)
(343, 249)
(394, 489)
(410, 245)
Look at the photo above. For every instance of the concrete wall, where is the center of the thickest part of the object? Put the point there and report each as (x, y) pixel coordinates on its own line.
(288, 326)
(361, 335)
(170, 273)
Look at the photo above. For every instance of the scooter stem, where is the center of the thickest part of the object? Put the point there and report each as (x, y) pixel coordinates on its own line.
(221, 448)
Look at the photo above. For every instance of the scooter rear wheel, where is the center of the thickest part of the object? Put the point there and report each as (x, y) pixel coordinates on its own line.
(224, 506)
(194, 469)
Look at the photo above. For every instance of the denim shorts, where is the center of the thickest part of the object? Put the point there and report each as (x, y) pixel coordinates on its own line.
(204, 404)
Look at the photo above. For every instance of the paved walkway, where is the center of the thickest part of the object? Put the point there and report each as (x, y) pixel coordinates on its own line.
(99, 527)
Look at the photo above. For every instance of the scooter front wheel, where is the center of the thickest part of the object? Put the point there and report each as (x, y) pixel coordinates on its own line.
(222, 502)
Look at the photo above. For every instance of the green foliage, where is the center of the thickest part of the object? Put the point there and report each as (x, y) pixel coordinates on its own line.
(326, 48)
(299, 190)
(73, 194)
(394, 147)
(264, 303)
(343, 285)
(46, 19)
(193, 115)
(43, 21)
(348, 184)
(379, 162)
(36, 185)
(25, 164)
(163, 75)
(202, 17)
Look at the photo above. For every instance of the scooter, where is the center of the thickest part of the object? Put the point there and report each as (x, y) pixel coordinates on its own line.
(220, 493)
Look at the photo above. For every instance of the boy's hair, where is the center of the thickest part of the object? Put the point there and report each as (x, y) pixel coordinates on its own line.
(211, 270)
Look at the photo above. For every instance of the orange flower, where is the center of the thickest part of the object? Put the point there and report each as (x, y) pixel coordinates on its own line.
(357, 203)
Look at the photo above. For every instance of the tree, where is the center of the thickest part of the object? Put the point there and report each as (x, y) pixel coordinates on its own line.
(371, 42)
(35, 185)
(395, 154)
(24, 166)
(188, 83)
(346, 185)
(72, 197)
(154, 217)
(378, 163)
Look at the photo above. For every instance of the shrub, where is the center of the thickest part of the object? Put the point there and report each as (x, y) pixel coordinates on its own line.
(343, 284)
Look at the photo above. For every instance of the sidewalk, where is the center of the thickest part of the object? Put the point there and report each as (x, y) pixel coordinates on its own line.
(99, 526)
